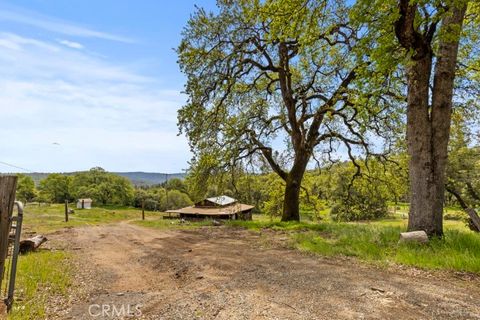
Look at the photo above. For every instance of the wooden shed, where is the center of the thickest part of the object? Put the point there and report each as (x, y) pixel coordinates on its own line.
(221, 207)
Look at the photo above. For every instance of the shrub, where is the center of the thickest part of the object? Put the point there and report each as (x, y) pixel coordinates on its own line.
(360, 206)
(455, 215)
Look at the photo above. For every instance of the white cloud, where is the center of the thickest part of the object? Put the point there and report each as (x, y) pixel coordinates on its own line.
(15, 42)
(55, 25)
(100, 113)
(37, 58)
(71, 44)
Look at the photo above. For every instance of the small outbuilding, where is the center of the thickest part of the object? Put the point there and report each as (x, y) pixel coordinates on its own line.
(221, 207)
(84, 203)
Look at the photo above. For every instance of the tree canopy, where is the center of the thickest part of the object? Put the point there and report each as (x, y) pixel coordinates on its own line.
(25, 188)
(282, 82)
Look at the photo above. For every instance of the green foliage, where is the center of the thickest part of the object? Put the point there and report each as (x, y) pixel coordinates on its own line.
(360, 206)
(264, 71)
(321, 189)
(204, 177)
(26, 191)
(311, 197)
(275, 189)
(361, 198)
(175, 184)
(177, 199)
(56, 188)
(103, 187)
(464, 160)
(161, 199)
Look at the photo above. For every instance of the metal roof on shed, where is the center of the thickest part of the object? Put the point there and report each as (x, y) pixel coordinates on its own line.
(228, 210)
(222, 200)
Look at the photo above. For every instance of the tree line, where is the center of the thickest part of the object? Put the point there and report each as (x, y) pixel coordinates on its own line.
(104, 188)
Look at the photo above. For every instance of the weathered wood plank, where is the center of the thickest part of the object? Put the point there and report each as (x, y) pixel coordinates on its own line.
(8, 186)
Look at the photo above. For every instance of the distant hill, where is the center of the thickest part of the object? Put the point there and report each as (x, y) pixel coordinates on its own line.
(149, 178)
(137, 178)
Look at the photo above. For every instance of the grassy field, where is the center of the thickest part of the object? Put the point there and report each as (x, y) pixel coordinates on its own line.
(377, 242)
(45, 219)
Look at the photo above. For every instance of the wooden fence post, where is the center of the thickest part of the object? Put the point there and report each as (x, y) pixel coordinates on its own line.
(66, 210)
(8, 187)
(143, 209)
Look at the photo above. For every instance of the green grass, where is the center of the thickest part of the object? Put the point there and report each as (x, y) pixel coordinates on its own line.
(39, 276)
(47, 219)
(377, 242)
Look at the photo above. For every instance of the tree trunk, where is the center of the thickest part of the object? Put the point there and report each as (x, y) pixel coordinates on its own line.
(420, 148)
(442, 100)
(32, 244)
(474, 222)
(428, 129)
(291, 202)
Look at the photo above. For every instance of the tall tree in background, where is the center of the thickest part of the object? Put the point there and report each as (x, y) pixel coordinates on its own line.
(56, 188)
(262, 72)
(102, 186)
(26, 191)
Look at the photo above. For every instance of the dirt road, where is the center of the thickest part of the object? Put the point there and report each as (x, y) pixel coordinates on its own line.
(225, 273)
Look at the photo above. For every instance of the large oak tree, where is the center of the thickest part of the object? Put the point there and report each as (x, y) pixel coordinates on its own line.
(282, 74)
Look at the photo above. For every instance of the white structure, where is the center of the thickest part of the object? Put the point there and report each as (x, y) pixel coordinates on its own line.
(84, 203)
(222, 200)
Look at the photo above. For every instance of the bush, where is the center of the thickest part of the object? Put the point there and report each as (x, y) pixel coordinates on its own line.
(455, 215)
(360, 206)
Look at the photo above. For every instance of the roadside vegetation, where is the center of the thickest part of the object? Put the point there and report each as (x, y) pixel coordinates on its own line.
(377, 242)
(41, 277)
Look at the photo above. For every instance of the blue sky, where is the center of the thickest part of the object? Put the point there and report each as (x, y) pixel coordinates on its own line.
(92, 83)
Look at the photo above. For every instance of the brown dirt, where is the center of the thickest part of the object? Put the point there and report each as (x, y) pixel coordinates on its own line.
(226, 273)
(3, 311)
